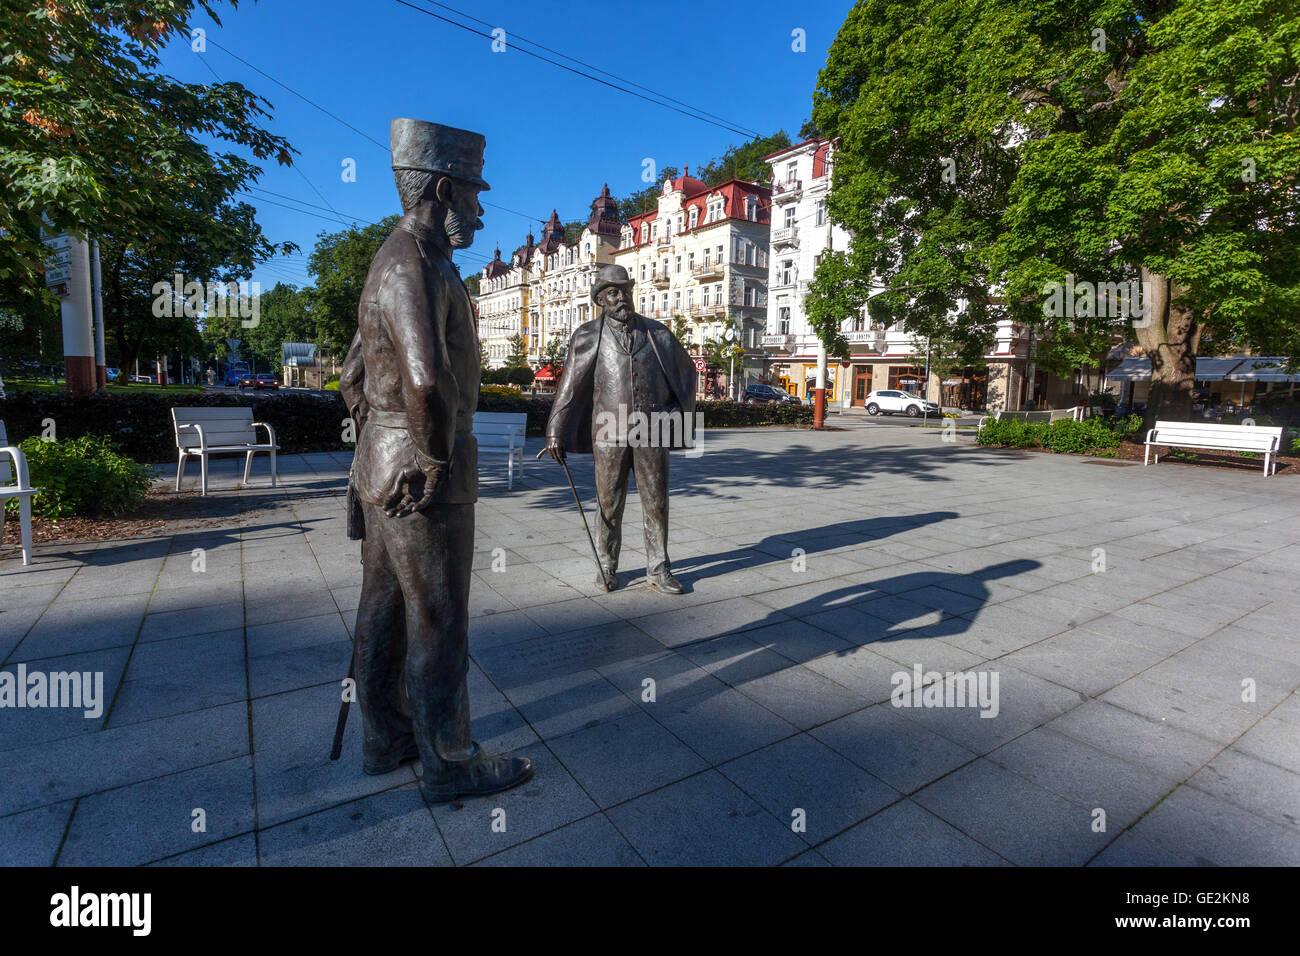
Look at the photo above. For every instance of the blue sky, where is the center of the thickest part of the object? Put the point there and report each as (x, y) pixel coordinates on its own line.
(553, 138)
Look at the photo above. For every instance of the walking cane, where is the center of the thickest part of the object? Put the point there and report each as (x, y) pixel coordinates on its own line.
(572, 487)
(337, 749)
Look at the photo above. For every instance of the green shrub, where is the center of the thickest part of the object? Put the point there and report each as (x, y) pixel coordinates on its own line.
(1067, 436)
(332, 385)
(140, 425)
(83, 476)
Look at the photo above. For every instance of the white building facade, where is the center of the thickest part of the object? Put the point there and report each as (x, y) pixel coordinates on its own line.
(881, 357)
(544, 290)
(700, 259)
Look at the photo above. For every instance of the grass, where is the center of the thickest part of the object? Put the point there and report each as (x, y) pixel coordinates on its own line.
(135, 388)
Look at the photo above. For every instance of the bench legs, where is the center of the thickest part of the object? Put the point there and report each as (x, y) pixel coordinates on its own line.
(180, 468)
(25, 526)
(1146, 457)
(248, 465)
(203, 461)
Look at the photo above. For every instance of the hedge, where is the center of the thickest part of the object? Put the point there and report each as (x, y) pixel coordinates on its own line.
(140, 426)
(1066, 436)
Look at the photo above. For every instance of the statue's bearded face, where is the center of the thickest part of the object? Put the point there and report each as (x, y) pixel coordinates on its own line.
(462, 217)
(617, 302)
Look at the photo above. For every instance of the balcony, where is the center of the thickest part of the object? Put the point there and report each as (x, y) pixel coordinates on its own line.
(663, 242)
(785, 236)
(783, 341)
(784, 281)
(660, 281)
(787, 192)
(707, 270)
(871, 338)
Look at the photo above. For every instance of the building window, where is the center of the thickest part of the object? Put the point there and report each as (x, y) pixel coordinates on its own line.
(751, 208)
(643, 272)
(695, 216)
(704, 296)
(821, 212)
(751, 295)
(740, 251)
(677, 301)
(645, 232)
(690, 261)
(719, 257)
(789, 217)
(665, 302)
(787, 272)
(791, 170)
(641, 304)
(690, 298)
(677, 266)
(717, 292)
(906, 377)
(783, 320)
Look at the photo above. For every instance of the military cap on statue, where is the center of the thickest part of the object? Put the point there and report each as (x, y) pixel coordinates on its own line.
(608, 276)
(432, 148)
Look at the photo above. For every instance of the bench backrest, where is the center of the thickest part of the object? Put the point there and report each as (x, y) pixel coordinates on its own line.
(499, 435)
(1025, 416)
(1249, 436)
(500, 418)
(222, 425)
(6, 472)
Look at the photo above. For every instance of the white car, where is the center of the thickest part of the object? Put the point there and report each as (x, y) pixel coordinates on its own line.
(892, 401)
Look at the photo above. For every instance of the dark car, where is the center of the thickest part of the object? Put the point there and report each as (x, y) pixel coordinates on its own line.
(259, 380)
(762, 394)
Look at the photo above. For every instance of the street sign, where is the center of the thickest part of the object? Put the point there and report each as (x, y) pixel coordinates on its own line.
(699, 365)
(58, 267)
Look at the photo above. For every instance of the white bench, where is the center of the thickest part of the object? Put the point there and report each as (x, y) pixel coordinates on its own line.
(22, 490)
(502, 433)
(228, 430)
(1218, 437)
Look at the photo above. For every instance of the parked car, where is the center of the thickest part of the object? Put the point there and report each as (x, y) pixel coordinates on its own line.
(112, 373)
(894, 401)
(762, 394)
(259, 380)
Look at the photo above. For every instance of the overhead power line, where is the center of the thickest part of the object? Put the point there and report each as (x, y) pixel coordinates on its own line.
(516, 37)
(595, 79)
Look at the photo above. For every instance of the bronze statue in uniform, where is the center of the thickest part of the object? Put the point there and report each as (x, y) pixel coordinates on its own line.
(627, 397)
(411, 381)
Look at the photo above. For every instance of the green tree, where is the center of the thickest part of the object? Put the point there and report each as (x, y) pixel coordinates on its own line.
(1008, 145)
(744, 161)
(808, 130)
(471, 284)
(555, 353)
(682, 330)
(518, 354)
(520, 375)
(339, 264)
(94, 139)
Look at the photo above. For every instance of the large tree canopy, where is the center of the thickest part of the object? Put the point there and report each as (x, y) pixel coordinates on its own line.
(990, 149)
(339, 263)
(98, 144)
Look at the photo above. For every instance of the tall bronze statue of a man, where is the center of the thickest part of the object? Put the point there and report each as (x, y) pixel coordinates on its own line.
(627, 397)
(411, 380)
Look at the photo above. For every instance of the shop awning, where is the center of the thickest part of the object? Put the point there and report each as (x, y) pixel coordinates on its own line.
(1264, 368)
(1209, 369)
(544, 374)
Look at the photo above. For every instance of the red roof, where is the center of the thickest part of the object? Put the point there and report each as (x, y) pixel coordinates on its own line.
(545, 372)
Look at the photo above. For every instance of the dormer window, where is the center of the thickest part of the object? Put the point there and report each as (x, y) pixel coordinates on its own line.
(695, 216)
(645, 232)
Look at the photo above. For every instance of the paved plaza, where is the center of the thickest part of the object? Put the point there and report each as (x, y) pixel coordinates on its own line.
(1138, 627)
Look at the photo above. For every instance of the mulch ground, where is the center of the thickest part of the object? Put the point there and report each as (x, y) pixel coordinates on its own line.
(163, 513)
(1134, 451)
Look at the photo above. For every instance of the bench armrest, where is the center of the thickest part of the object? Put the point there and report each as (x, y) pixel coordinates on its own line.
(269, 431)
(1149, 434)
(203, 442)
(20, 467)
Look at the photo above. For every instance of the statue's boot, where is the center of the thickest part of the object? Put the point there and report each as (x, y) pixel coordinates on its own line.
(376, 761)
(607, 579)
(475, 777)
(663, 580)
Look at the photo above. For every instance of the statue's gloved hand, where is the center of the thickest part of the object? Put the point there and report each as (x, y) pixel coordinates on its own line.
(555, 448)
(401, 500)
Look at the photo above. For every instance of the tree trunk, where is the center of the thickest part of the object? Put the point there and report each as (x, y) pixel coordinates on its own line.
(1169, 335)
